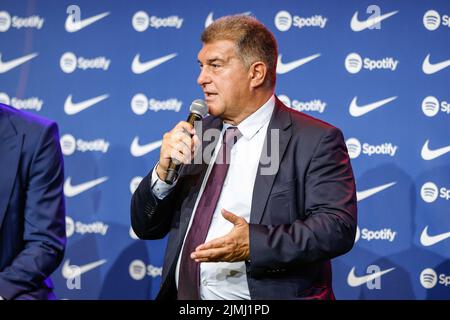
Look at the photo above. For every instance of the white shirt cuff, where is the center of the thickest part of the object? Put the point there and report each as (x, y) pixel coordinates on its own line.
(160, 188)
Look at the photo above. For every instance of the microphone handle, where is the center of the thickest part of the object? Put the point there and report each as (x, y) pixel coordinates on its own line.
(172, 170)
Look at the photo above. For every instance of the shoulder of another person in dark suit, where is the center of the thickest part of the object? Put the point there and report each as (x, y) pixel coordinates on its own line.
(26, 122)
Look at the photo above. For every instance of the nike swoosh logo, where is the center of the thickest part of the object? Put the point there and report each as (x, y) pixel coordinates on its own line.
(11, 64)
(358, 111)
(427, 240)
(73, 108)
(361, 195)
(72, 191)
(287, 67)
(138, 150)
(209, 19)
(355, 281)
(430, 68)
(72, 26)
(71, 271)
(139, 67)
(428, 154)
(357, 25)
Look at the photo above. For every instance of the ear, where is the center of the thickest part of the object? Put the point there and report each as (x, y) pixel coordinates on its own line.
(257, 74)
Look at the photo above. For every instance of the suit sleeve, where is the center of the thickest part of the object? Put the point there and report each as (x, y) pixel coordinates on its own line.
(151, 217)
(44, 223)
(330, 205)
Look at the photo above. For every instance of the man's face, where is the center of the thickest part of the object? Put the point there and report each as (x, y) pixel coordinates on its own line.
(224, 79)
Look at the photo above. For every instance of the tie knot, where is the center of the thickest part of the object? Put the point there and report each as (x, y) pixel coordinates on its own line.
(231, 136)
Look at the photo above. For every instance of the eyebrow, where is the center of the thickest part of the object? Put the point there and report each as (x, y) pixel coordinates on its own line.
(212, 60)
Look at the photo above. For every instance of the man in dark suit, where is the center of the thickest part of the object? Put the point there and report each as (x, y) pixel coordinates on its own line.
(32, 219)
(265, 224)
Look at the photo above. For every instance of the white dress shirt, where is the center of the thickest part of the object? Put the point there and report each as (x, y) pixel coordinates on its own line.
(224, 280)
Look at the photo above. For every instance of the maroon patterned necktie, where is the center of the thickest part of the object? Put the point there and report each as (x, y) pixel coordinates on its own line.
(189, 273)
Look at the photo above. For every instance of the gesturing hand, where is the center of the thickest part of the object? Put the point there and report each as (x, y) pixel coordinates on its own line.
(233, 247)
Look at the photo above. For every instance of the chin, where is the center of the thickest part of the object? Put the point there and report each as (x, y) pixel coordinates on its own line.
(214, 110)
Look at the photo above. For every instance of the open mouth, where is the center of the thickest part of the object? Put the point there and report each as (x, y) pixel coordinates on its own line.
(210, 94)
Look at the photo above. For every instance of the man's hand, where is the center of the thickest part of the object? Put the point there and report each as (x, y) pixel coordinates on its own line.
(233, 247)
(177, 145)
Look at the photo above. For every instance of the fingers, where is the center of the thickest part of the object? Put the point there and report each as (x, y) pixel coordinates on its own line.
(220, 251)
(234, 219)
(196, 142)
(181, 146)
(184, 126)
(232, 247)
(211, 255)
(178, 145)
(215, 250)
(215, 243)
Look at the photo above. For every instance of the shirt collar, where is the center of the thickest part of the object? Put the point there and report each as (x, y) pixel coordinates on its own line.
(254, 122)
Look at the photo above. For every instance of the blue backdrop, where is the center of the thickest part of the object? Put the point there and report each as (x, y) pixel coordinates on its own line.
(116, 75)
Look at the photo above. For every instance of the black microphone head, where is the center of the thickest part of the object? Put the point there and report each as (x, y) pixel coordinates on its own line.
(199, 107)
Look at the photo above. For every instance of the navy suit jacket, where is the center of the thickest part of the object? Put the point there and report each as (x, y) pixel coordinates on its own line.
(301, 216)
(32, 221)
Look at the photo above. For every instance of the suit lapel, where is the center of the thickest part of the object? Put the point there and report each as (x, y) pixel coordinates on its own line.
(280, 123)
(10, 148)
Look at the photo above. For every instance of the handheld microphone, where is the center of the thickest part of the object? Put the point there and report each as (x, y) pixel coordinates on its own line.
(198, 110)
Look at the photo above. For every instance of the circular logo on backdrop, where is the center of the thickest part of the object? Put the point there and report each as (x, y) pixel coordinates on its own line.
(429, 192)
(285, 100)
(140, 21)
(431, 20)
(68, 62)
(137, 269)
(68, 144)
(283, 21)
(70, 227)
(4, 98)
(139, 104)
(428, 278)
(353, 147)
(5, 21)
(353, 63)
(430, 106)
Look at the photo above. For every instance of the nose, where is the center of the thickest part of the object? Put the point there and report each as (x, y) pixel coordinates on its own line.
(203, 77)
